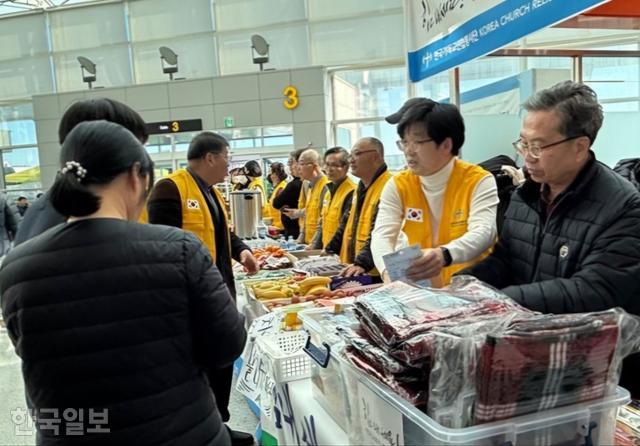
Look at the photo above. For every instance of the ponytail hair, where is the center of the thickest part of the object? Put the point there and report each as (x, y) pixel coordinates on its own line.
(94, 153)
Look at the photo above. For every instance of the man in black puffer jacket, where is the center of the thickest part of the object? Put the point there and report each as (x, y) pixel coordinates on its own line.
(571, 237)
(629, 169)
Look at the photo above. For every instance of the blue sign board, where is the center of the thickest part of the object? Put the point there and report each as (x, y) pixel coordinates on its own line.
(492, 29)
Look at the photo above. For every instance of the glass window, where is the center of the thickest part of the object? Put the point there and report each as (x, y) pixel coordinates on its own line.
(288, 48)
(348, 133)
(113, 68)
(616, 80)
(162, 19)
(357, 40)
(21, 168)
(16, 125)
(22, 36)
(499, 85)
(196, 58)
(243, 14)
(334, 9)
(435, 87)
(25, 77)
(159, 144)
(369, 93)
(87, 27)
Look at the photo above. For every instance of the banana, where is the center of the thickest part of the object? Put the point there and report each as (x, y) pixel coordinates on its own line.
(317, 290)
(276, 294)
(311, 282)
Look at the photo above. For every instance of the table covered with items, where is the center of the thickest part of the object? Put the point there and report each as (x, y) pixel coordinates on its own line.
(335, 361)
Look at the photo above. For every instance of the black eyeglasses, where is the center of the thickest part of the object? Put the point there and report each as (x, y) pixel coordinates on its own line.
(535, 150)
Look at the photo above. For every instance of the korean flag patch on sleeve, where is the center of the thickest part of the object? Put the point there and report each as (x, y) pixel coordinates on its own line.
(193, 204)
(414, 214)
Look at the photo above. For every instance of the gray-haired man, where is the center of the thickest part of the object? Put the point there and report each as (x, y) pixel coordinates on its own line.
(570, 241)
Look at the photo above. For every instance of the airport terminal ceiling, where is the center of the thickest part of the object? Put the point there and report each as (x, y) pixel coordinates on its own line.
(338, 34)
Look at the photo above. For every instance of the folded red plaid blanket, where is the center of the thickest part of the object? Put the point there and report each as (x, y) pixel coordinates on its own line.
(545, 361)
(414, 392)
(396, 317)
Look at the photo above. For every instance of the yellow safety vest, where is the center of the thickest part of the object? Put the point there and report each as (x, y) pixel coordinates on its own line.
(365, 221)
(258, 184)
(272, 212)
(196, 216)
(455, 212)
(313, 208)
(332, 209)
(302, 203)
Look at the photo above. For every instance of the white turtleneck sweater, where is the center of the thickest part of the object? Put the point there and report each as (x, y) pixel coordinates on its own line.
(481, 232)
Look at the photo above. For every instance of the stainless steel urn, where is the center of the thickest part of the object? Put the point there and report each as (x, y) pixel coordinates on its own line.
(246, 212)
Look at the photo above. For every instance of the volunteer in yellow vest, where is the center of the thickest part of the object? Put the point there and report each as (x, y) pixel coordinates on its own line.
(353, 238)
(253, 171)
(311, 173)
(336, 197)
(444, 204)
(188, 199)
(278, 178)
(289, 198)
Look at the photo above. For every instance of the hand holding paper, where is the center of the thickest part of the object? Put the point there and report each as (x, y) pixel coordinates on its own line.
(399, 263)
(428, 265)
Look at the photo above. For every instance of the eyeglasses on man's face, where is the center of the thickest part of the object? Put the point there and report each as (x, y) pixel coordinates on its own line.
(356, 155)
(405, 145)
(535, 150)
(335, 165)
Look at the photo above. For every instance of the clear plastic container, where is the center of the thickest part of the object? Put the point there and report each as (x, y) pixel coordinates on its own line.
(591, 423)
(327, 385)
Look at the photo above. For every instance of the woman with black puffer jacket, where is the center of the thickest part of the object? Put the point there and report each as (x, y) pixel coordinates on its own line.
(116, 322)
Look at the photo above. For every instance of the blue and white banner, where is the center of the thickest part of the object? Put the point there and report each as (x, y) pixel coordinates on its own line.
(442, 34)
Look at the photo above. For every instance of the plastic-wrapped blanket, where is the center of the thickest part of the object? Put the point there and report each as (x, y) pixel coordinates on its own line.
(398, 312)
(544, 362)
(415, 392)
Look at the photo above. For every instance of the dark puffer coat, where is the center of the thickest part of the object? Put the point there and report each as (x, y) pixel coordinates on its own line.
(108, 314)
(630, 170)
(585, 256)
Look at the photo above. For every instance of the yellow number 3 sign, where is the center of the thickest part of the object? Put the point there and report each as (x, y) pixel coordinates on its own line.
(292, 101)
(175, 126)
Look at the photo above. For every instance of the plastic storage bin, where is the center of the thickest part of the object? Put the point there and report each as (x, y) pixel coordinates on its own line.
(286, 350)
(327, 385)
(590, 423)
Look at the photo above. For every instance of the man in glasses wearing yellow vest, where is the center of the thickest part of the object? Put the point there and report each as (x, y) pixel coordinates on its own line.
(336, 196)
(353, 238)
(310, 205)
(188, 199)
(444, 204)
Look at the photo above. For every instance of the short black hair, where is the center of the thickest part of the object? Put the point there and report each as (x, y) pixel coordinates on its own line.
(278, 169)
(21, 198)
(441, 121)
(102, 109)
(252, 168)
(103, 150)
(206, 142)
(337, 150)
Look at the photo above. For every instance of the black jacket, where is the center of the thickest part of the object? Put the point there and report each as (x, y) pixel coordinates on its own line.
(364, 258)
(41, 216)
(165, 208)
(112, 314)
(8, 220)
(630, 170)
(289, 198)
(585, 256)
